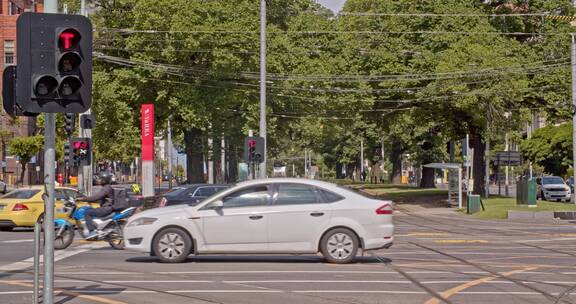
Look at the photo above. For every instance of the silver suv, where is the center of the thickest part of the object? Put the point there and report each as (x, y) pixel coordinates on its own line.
(553, 188)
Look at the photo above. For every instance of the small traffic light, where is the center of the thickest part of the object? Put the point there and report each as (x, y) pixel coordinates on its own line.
(87, 121)
(81, 151)
(69, 123)
(55, 63)
(254, 149)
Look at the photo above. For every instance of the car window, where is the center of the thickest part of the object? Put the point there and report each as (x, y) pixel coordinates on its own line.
(205, 191)
(59, 195)
(296, 194)
(21, 194)
(552, 180)
(329, 196)
(71, 193)
(175, 191)
(248, 197)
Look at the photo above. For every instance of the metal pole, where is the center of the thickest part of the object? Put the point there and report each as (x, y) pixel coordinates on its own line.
(49, 171)
(263, 85)
(305, 163)
(468, 163)
(506, 181)
(574, 112)
(83, 7)
(37, 246)
(361, 159)
(169, 144)
(460, 188)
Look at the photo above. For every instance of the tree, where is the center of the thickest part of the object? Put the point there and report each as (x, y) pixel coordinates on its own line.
(25, 148)
(550, 147)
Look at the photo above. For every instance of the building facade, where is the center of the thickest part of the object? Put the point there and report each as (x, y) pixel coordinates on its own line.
(24, 126)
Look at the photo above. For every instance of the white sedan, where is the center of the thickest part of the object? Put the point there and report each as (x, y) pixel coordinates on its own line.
(284, 215)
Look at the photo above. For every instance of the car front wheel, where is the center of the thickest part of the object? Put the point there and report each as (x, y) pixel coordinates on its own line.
(172, 245)
(339, 246)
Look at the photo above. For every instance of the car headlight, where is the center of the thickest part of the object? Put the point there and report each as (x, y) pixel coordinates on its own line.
(142, 221)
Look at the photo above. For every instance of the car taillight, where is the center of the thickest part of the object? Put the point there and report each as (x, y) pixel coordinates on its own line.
(163, 202)
(20, 207)
(384, 209)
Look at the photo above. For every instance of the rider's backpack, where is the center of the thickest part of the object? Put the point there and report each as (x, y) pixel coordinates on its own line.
(120, 199)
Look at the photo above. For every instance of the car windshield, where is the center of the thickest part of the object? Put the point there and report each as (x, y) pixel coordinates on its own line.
(552, 180)
(175, 191)
(21, 194)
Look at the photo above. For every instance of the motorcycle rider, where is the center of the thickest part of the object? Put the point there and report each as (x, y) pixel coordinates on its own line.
(106, 198)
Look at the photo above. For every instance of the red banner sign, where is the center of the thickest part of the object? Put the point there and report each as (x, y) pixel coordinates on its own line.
(147, 111)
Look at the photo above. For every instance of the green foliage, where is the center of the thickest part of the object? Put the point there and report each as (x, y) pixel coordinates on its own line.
(550, 147)
(26, 147)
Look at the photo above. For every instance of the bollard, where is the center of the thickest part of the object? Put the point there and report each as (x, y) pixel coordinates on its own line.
(37, 232)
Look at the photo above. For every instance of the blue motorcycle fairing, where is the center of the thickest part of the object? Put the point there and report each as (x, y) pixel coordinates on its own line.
(124, 214)
(80, 212)
(60, 222)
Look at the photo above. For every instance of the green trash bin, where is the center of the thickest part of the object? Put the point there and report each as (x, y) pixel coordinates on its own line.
(473, 203)
(526, 192)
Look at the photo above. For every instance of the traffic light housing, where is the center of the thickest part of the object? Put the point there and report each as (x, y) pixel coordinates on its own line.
(87, 121)
(254, 149)
(54, 68)
(69, 123)
(81, 151)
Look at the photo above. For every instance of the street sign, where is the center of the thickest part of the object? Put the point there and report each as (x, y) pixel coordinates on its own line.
(508, 158)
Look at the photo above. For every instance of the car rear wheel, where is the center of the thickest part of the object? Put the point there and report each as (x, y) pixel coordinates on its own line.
(172, 245)
(339, 246)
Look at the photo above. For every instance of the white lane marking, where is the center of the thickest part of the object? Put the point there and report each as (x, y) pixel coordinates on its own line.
(58, 255)
(99, 273)
(17, 241)
(15, 292)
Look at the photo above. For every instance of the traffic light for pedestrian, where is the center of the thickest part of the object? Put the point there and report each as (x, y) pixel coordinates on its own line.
(254, 149)
(69, 123)
(81, 151)
(54, 63)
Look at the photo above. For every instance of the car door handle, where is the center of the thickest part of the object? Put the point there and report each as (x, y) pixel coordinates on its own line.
(317, 214)
(255, 217)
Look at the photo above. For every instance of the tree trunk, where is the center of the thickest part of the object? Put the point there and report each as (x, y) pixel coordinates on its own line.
(232, 156)
(339, 174)
(479, 170)
(23, 172)
(217, 160)
(396, 159)
(427, 178)
(350, 171)
(194, 155)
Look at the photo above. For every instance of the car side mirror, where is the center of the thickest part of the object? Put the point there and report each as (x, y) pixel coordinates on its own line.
(217, 205)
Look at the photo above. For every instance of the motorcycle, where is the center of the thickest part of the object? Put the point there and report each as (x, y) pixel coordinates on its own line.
(109, 228)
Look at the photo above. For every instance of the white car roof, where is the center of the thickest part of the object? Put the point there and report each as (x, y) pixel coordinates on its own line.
(287, 180)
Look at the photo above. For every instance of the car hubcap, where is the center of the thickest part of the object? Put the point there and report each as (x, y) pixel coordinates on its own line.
(171, 245)
(340, 246)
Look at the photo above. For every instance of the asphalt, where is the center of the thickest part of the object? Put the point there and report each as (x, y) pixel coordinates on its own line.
(439, 256)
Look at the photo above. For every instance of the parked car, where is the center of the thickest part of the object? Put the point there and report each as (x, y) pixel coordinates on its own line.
(23, 207)
(553, 188)
(283, 215)
(3, 187)
(570, 183)
(190, 194)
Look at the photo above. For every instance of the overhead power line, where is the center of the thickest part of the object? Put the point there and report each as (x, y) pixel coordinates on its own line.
(369, 14)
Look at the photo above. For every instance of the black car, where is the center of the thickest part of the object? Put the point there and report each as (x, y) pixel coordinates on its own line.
(190, 194)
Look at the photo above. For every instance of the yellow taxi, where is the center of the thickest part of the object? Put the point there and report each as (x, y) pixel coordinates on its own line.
(23, 207)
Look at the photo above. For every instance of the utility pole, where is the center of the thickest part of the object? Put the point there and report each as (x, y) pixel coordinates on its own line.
(263, 85)
(361, 159)
(85, 172)
(573, 62)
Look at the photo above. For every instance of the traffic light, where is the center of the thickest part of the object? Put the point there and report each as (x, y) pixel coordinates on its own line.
(254, 149)
(81, 151)
(87, 121)
(69, 123)
(54, 68)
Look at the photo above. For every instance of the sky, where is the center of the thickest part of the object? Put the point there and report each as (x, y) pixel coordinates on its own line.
(334, 5)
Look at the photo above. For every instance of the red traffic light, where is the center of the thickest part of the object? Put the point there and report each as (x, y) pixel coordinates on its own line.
(251, 143)
(68, 38)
